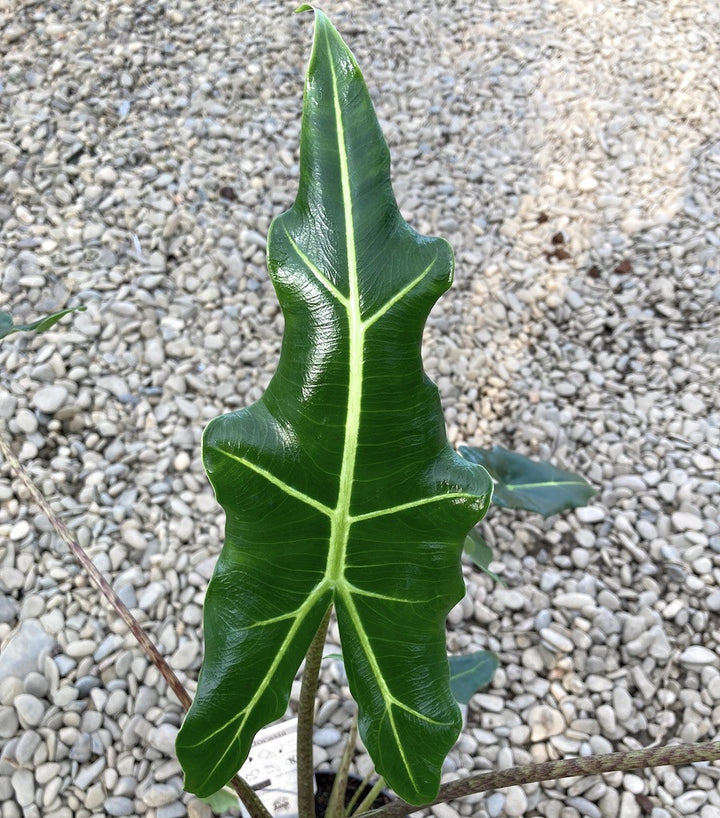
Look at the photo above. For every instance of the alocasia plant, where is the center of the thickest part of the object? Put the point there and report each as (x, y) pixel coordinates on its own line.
(339, 485)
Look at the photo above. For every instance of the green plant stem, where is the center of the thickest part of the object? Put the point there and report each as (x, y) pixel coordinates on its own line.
(336, 803)
(667, 755)
(306, 718)
(247, 795)
(350, 808)
(377, 788)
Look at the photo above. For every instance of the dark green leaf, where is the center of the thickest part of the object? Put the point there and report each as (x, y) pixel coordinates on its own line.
(339, 485)
(480, 553)
(8, 328)
(469, 673)
(531, 485)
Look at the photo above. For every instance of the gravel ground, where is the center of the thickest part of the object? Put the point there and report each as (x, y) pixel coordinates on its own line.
(569, 151)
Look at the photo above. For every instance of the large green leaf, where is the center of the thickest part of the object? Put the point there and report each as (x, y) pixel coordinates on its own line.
(339, 485)
(8, 328)
(532, 485)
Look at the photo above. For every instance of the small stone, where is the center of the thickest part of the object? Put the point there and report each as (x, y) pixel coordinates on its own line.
(556, 641)
(81, 749)
(50, 398)
(8, 609)
(118, 806)
(494, 804)
(23, 784)
(697, 657)
(106, 175)
(198, 809)
(95, 796)
(684, 521)
(585, 807)
(174, 810)
(88, 774)
(20, 530)
(544, 721)
(160, 794)
(162, 738)
(574, 601)
(24, 751)
(590, 514)
(692, 403)
(515, 802)
(81, 648)
(622, 703)
(8, 721)
(30, 709)
(327, 736)
(629, 807)
(510, 599)
(690, 801)
(712, 601)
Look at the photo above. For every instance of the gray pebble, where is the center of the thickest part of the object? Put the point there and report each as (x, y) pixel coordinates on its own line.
(20, 654)
(50, 399)
(162, 738)
(26, 747)
(88, 774)
(698, 657)
(118, 806)
(159, 795)
(23, 784)
(327, 736)
(8, 721)
(30, 709)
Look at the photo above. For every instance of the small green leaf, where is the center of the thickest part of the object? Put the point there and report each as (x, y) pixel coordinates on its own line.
(222, 800)
(531, 485)
(8, 328)
(481, 554)
(469, 673)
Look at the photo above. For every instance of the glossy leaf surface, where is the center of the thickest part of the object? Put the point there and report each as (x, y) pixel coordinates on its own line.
(339, 485)
(470, 673)
(532, 485)
(8, 328)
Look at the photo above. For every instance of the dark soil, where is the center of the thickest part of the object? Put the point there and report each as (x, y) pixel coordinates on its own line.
(324, 781)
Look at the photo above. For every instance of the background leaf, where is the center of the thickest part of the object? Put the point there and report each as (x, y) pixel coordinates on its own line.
(531, 485)
(480, 553)
(339, 484)
(222, 800)
(470, 673)
(8, 328)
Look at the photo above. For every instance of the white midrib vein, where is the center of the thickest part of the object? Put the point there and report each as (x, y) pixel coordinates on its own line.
(340, 528)
(340, 520)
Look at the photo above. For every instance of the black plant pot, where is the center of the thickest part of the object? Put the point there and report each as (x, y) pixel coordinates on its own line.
(324, 781)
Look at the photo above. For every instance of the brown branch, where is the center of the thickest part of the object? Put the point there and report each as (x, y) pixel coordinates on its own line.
(248, 796)
(669, 754)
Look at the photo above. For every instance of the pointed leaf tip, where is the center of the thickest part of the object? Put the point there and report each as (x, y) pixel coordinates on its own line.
(304, 7)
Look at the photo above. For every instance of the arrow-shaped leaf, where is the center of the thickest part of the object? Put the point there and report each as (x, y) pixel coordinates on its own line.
(533, 485)
(339, 484)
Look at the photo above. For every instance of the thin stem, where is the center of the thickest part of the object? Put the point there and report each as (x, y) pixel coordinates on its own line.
(248, 796)
(306, 717)
(336, 802)
(667, 755)
(350, 808)
(376, 789)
